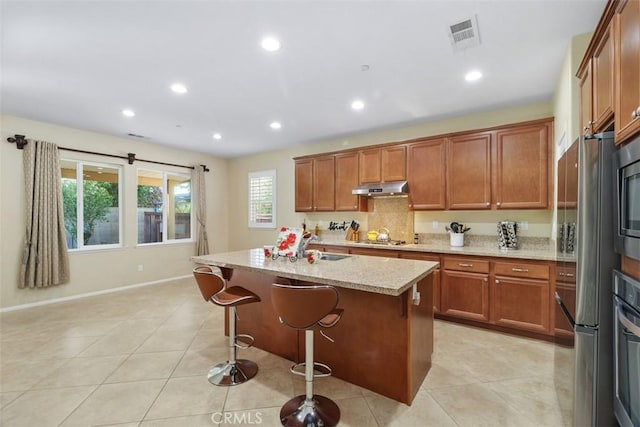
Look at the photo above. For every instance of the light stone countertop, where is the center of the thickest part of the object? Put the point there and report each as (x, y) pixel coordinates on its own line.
(389, 276)
(534, 253)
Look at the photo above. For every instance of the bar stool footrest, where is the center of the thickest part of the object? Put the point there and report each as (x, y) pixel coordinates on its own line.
(321, 369)
(243, 345)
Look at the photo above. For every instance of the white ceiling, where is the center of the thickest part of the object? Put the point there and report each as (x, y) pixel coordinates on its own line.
(80, 64)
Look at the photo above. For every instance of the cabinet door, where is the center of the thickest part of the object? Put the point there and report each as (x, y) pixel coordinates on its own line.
(586, 98)
(521, 303)
(370, 166)
(394, 163)
(469, 171)
(304, 185)
(602, 63)
(465, 295)
(627, 70)
(347, 180)
(324, 184)
(522, 167)
(426, 175)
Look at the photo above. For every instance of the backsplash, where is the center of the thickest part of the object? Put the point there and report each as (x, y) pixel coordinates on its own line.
(392, 213)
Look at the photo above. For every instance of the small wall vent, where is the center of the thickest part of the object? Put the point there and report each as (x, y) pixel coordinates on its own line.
(464, 34)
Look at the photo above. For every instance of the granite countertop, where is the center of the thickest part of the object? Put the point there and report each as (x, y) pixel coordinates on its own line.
(389, 276)
(543, 251)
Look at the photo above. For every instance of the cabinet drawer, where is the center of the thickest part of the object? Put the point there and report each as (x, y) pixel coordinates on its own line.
(419, 256)
(466, 264)
(566, 274)
(522, 269)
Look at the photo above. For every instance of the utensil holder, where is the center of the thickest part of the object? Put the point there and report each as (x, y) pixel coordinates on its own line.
(456, 239)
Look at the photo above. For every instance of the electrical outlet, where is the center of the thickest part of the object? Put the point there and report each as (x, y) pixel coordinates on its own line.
(524, 225)
(435, 225)
(140, 267)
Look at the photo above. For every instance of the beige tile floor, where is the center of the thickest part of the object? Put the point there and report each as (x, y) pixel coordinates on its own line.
(140, 357)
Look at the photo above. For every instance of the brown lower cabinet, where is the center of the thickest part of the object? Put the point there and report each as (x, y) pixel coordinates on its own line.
(464, 288)
(504, 293)
(520, 303)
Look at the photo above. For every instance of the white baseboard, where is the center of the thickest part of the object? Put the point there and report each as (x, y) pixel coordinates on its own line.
(89, 294)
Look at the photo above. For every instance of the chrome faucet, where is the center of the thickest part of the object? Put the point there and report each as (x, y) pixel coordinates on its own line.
(304, 243)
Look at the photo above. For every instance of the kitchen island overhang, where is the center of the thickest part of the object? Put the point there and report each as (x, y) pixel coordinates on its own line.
(384, 340)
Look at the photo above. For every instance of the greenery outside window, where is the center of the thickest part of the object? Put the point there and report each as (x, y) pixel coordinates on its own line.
(91, 195)
(262, 199)
(163, 195)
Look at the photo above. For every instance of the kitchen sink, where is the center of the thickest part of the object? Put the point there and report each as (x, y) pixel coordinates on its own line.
(334, 257)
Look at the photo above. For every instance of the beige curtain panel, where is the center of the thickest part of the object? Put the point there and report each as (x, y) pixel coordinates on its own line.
(45, 261)
(200, 195)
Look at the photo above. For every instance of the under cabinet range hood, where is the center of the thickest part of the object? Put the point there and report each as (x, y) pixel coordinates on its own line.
(382, 189)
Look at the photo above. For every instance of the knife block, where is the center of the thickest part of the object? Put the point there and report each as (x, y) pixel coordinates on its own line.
(352, 235)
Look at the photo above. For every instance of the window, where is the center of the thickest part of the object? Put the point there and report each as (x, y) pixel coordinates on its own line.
(91, 200)
(262, 196)
(163, 195)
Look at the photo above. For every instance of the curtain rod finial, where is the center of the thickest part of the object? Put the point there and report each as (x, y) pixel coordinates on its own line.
(205, 168)
(131, 157)
(19, 140)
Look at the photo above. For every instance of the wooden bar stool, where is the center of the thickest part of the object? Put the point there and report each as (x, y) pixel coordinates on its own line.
(308, 308)
(213, 288)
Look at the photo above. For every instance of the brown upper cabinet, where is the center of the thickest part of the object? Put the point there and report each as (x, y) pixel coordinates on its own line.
(627, 69)
(586, 97)
(426, 174)
(505, 169)
(315, 184)
(499, 168)
(347, 167)
(468, 181)
(521, 167)
(383, 164)
(596, 86)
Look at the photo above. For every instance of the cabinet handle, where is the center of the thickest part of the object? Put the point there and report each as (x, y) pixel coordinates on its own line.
(465, 265)
(586, 128)
(498, 204)
(488, 203)
(634, 114)
(520, 270)
(591, 122)
(569, 274)
(497, 282)
(485, 280)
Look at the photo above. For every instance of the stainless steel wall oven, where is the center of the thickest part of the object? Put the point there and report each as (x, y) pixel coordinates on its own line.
(627, 202)
(626, 307)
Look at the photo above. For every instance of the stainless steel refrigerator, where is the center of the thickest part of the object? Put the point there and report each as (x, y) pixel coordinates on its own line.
(595, 259)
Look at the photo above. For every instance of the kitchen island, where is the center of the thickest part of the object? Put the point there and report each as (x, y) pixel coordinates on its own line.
(384, 340)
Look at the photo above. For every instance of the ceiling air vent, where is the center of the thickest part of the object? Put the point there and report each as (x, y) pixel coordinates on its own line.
(135, 135)
(464, 35)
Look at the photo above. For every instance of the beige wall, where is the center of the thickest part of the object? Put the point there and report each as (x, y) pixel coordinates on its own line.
(99, 270)
(282, 161)
(566, 99)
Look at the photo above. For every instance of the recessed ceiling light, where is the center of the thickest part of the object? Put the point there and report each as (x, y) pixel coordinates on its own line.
(271, 44)
(217, 136)
(128, 113)
(472, 76)
(357, 105)
(178, 88)
(275, 125)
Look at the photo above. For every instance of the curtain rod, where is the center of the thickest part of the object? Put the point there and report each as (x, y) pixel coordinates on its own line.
(21, 141)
